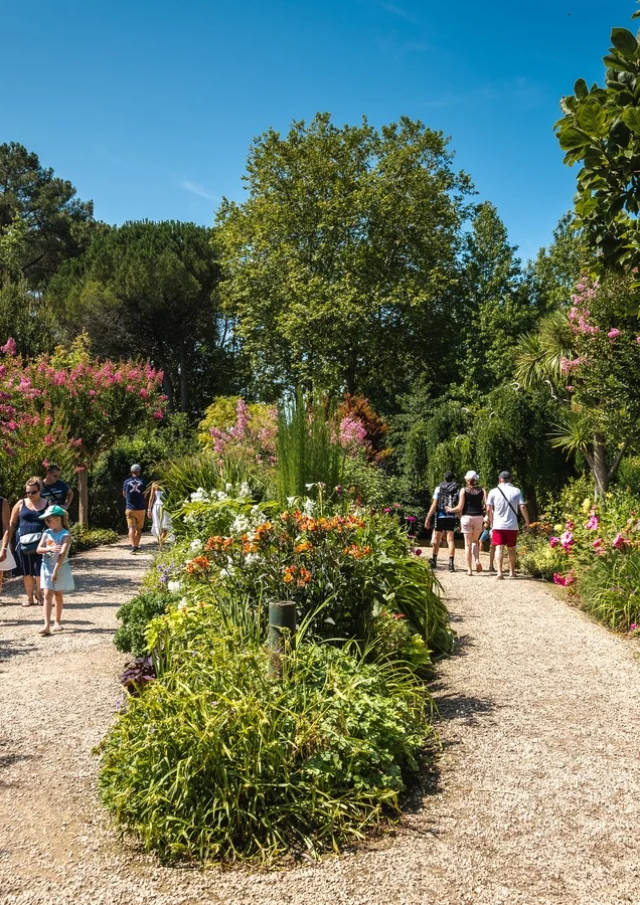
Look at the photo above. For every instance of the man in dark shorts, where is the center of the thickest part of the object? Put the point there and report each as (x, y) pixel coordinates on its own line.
(445, 496)
(135, 506)
(55, 491)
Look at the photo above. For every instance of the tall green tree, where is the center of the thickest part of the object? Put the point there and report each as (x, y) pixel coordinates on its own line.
(342, 260)
(497, 310)
(55, 224)
(149, 289)
(552, 277)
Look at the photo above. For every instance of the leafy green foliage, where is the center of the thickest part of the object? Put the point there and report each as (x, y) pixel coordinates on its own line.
(343, 254)
(135, 615)
(216, 760)
(600, 130)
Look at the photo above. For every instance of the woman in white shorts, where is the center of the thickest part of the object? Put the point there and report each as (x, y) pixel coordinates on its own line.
(471, 508)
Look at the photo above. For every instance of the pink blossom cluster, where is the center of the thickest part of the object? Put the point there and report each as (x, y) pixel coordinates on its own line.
(256, 438)
(579, 313)
(352, 434)
(564, 580)
(567, 364)
(594, 521)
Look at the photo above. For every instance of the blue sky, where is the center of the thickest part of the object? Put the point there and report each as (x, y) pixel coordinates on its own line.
(149, 108)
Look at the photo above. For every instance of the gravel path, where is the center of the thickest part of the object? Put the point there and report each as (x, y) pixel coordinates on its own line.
(538, 797)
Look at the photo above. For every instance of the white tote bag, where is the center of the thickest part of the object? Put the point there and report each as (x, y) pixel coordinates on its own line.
(8, 563)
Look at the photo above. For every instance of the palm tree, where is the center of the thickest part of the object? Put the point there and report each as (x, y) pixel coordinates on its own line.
(578, 429)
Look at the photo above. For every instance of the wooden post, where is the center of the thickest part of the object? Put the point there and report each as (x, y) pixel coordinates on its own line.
(282, 630)
(83, 497)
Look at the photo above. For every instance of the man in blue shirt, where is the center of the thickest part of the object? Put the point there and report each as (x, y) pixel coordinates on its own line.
(55, 491)
(135, 505)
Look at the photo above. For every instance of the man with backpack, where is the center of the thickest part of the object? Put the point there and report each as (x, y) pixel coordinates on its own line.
(503, 505)
(445, 497)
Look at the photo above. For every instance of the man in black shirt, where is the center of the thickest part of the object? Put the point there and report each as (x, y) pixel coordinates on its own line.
(55, 491)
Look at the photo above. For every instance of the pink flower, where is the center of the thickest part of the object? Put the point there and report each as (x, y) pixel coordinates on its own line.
(597, 546)
(619, 542)
(418, 551)
(411, 518)
(554, 542)
(613, 333)
(567, 540)
(48, 440)
(592, 524)
(564, 580)
(569, 388)
(638, 339)
(158, 415)
(353, 433)
(144, 394)
(10, 347)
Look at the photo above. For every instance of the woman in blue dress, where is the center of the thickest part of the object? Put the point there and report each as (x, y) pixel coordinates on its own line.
(25, 524)
(55, 577)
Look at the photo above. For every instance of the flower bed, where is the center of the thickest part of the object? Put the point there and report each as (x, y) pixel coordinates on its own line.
(221, 756)
(595, 553)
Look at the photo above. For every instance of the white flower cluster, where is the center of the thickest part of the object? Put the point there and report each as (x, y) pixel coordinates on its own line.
(174, 587)
(196, 545)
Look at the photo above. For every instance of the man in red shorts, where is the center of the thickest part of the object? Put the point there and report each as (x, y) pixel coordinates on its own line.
(503, 504)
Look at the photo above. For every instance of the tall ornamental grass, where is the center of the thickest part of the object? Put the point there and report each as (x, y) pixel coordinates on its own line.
(308, 448)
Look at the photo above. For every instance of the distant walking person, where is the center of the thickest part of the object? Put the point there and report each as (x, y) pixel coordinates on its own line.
(503, 505)
(54, 490)
(55, 574)
(160, 519)
(135, 505)
(471, 509)
(25, 524)
(445, 498)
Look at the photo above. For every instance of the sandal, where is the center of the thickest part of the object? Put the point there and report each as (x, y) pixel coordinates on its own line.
(478, 566)
(45, 632)
(29, 602)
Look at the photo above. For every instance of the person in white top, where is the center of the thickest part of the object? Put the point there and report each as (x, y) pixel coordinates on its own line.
(503, 504)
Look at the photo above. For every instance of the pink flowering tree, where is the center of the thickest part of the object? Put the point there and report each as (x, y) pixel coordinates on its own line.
(72, 407)
(588, 358)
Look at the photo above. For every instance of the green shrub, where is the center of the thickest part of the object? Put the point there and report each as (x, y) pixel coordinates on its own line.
(392, 637)
(220, 760)
(610, 589)
(88, 538)
(135, 616)
(538, 558)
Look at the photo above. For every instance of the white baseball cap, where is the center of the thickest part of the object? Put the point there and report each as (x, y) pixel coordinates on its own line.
(471, 476)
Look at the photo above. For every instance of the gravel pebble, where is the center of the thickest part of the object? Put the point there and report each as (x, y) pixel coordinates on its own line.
(536, 798)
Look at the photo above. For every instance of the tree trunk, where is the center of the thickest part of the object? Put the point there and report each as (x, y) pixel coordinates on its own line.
(83, 496)
(184, 382)
(167, 388)
(598, 463)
